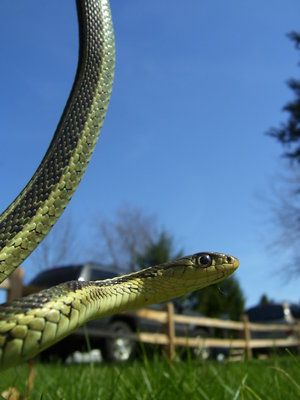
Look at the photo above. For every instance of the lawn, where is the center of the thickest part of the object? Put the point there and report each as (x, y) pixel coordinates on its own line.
(276, 378)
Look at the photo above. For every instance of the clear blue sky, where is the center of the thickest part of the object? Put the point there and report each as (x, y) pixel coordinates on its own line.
(197, 84)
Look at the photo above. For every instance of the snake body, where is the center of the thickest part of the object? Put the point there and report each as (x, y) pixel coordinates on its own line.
(33, 323)
(29, 218)
(30, 324)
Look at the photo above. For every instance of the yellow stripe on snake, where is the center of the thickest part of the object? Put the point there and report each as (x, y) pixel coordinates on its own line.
(33, 323)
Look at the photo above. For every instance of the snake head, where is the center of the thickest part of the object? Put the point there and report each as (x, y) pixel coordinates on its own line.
(199, 270)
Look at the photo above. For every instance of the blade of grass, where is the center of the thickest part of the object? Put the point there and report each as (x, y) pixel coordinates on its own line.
(283, 372)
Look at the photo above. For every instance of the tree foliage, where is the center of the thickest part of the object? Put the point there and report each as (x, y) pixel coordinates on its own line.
(285, 203)
(224, 299)
(289, 132)
(264, 300)
(122, 239)
(158, 251)
(60, 247)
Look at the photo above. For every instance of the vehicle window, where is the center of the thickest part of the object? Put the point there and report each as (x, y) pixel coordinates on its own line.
(98, 274)
(274, 312)
(55, 276)
(254, 314)
(266, 313)
(295, 310)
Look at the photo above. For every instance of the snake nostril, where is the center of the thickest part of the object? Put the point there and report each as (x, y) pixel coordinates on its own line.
(229, 259)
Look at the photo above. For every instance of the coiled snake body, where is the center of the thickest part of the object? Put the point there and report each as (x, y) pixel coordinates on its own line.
(31, 324)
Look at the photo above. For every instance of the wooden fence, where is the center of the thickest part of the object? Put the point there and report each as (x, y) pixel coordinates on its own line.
(14, 285)
(244, 339)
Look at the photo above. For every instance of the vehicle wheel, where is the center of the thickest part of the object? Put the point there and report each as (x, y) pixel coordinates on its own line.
(119, 349)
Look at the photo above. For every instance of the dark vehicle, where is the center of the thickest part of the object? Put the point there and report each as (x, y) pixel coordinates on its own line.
(95, 334)
(274, 313)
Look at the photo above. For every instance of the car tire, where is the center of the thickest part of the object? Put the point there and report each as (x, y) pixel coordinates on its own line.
(119, 349)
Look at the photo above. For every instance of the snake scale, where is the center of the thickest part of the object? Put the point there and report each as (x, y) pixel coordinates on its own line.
(31, 324)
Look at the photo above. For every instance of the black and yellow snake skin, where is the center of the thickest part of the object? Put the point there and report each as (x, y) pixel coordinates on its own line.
(30, 324)
(29, 218)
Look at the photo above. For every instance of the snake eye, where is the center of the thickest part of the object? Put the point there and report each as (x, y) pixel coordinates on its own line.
(205, 260)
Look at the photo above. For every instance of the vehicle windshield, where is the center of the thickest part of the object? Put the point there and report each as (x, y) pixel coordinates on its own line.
(98, 274)
(52, 277)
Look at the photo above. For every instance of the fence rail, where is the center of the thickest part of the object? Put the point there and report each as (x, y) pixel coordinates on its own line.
(246, 328)
(169, 319)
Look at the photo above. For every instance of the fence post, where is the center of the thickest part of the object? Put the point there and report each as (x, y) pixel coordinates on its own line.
(170, 331)
(15, 285)
(247, 337)
(298, 335)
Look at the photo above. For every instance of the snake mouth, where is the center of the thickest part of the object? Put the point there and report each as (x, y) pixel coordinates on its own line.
(236, 263)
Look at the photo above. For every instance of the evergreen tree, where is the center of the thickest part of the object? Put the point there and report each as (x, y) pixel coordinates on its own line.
(264, 300)
(287, 205)
(158, 252)
(225, 299)
(289, 132)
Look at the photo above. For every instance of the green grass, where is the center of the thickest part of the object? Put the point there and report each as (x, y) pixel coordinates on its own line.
(277, 378)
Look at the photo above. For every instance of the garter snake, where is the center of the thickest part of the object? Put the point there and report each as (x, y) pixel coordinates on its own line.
(30, 324)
